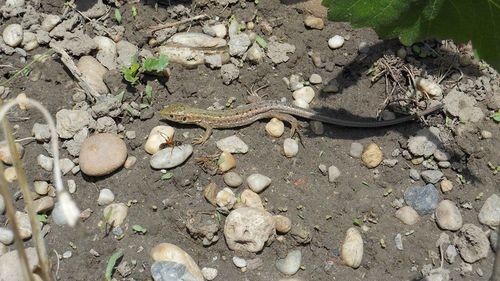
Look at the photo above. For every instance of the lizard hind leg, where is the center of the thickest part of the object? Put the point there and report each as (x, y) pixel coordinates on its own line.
(203, 138)
(294, 123)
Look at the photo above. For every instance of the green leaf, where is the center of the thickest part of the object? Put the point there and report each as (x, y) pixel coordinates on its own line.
(131, 74)
(357, 222)
(139, 229)
(155, 64)
(262, 43)
(167, 176)
(42, 218)
(118, 16)
(496, 116)
(148, 92)
(134, 11)
(412, 21)
(111, 264)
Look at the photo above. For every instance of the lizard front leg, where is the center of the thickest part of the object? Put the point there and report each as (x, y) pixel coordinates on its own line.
(203, 138)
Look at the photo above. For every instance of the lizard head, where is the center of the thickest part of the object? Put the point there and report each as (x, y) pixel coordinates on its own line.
(176, 112)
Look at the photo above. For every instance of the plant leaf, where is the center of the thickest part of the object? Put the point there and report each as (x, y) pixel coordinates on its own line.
(118, 16)
(496, 116)
(167, 176)
(262, 43)
(111, 264)
(139, 229)
(412, 21)
(134, 11)
(155, 64)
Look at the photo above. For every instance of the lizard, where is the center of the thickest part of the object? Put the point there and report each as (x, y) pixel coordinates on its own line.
(250, 113)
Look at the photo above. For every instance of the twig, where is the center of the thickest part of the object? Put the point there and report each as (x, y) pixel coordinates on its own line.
(82, 80)
(153, 29)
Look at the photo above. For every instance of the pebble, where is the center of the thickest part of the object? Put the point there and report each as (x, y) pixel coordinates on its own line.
(10, 174)
(314, 22)
(219, 30)
(390, 162)
(407, 215)
(238, 44)
(440, 155)
(317, 127)
(67, 255)
(5, 155)
(446, 185)
(102, 154)
(398, 240)
(424, 199)
(291, 263)
(174, 260)
(13, 35)
(494, 240)
(232, 179)
(490, 212)
(225, 198)
(414, 175)
(333, 173)
(229, 72)
(209, 273)
(448, 216)
(290, 147)
(10, 267)
(351, 252)
(130, 162)
(71, 186)
(372, 155)
(295, 82)
(43, 205)
(422, 144)
(41, 187)
(255, 54)
(118, 211)
(23, 224)
(444, 164)
(315, 79)
(300, 103)
(356, 150)
(171, 157)
(226, 161)
(251, 199)
(431, 176)
(157, 137)
(472, 243)
(232, 144)
(257, 182)
(2, 205)
(106, 197)
(363, 47)
(430, 87)
(239, 262)
(450, 254)
(275, 127)
(130, 135)
(66, 165)
(6, 236)
(283, 224)
(242, 233)
(305, 93)
(41, 132)
(336, 42)
(70, 122)
(461, 105)
(486, 134)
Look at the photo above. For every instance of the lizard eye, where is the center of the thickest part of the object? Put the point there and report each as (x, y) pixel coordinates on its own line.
(184, 119)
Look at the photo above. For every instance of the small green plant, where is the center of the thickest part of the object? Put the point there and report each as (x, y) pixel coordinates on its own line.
(139, 229)
(118, 16)
(167, 176)
(111, 264)
(134, 12)
(153, 65)
(496, 116)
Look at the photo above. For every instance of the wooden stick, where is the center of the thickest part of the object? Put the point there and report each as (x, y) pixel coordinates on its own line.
(154, 28)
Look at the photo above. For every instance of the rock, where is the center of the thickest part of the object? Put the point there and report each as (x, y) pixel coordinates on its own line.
(229, 73)
(45, 162)
(315, 79)
(290, 147)
(70, 122)
(255, 54)
(225, 198)
(295, 82)
(351, 252)
(106, 197)
(213, 61)
(301, 103)
(251, 199)
(372, 156)
(407, 215)
(248, 229)
(29, 41)
(106, 54)
(11, 268)
(71, 186)
(277, 51)
(196, 40)
(23, 224)
(171, 156)
(126, 51)
(429, 87)
(158, 136)
(314, 22)
(232, 144)
(305, 93)
(209, 273)
(170, 270)
(6, 156)
(494, 240)
(486, 134)
(41, 132)
(43, 205)
(106, 124)
(275, 127)
(66, 165)
(423, 144)
(291, 263)
(390, 162)
(440, 155)
(10, 174)
(118, 212)
(462, 106)
(472, 243)
(49, 22)
(203, 226)
(424, 199)
(170, 253)
(446, 185)
(283, 224)
(239, 262)
(2, 205)
(6, 236)
(257, 182)
(333, 173)
(232, 179)
(219, 30)
(398, 240)
(13, 35)
(238, 44)
(450, 254)
(490, 212)
(356, 150)
(432, 176)
(336, 42)
(94, 73)
(414, 175)
(102, 154)
(226, 161)
(448, 216)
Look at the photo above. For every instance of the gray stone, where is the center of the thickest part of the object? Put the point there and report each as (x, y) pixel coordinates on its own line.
(315, 79)
(6, 236)
(45, 162)
(125, 51)
(440, 155)
(2, 205)
(333, 173)
(398, 240)
(106, 196)
(444, 164)
(356, 150)
(462, 106)
(238, 44)
(277, 52)
(106, 124)
(70, 122)
(106, 105)
(41, 132)
(390, 162)
(494, 240)
(432, 176)
(232, 144)
(73, 145)
(213, 61)
(229, 73)
(414, 175)
(490, 212)
(66, 165)
(472, 243)
(10, 267)
(424, 199)
(239, 262)
(451, 253)
(424, 143)
(171, 271)
(171, 157)
(291, 263)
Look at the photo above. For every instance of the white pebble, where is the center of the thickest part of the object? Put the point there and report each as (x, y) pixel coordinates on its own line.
(232, 144)
(315, 79)
(158, 136)
(336, 42)
(275, 128)
(226, 161)
(448, 216)
(352, 249)
(67, 255)
(301, 103)
(429, 87)
(305, 93)
(333, 173)
(290, 147)
(118, 212)
(356, 150)
(45, 162)
(225, 198)
(232, 179)
(10, 174)
(6, 236)
(209, 273)
(66, 165)
(2, 205)
(258, 182)
(490, 211)
(407, 215)
(13, 35)
(106, 196)
(41, 187)
(239, 262)
(171, 157)
(71, 186)
(291, 263)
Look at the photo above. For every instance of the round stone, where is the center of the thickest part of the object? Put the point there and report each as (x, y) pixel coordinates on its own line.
(102, 154)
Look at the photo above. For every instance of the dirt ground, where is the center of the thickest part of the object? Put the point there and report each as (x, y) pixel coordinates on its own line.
(326, 209)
